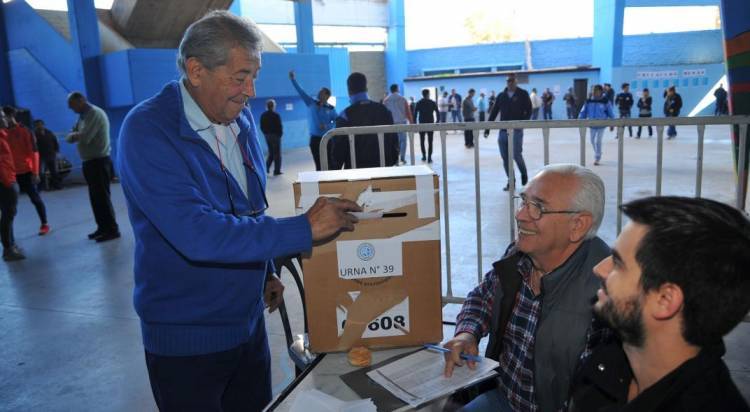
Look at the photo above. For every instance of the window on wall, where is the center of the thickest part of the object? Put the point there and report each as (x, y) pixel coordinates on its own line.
(353, 38)
(634, 84)
(696, 81)
(645, 20)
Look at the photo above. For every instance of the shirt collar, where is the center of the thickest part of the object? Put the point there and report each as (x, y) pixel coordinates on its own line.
(194, 114)
(358, 97)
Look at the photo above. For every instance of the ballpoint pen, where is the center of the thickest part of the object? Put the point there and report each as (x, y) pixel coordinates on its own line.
(465, 356)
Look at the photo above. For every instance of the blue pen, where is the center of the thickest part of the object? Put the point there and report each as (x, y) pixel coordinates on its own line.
(465, 356)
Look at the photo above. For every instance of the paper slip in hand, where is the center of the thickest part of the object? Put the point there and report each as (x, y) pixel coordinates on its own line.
(418, 378)
(314, 400)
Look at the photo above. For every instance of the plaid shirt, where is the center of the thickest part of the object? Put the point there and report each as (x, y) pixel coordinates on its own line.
(516, 368)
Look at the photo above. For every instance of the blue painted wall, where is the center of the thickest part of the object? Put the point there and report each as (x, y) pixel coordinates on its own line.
(698, 47)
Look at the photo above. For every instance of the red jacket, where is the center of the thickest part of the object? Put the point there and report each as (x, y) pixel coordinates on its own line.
(23, 146)
(7, 170)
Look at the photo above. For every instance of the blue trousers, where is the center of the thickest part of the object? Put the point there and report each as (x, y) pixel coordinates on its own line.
(402, 146)
(502, 141)
(596, 141)
(491, 400)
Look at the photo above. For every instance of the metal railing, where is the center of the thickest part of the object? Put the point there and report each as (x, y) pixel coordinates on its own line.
(545, 125)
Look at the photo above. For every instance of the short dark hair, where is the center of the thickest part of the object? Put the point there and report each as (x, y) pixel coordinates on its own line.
(672, 88)
(325, 90)
(607, 84)
(9, 111)
(701, 246)
(38, 121)
(270, 104)
(624, 85)
(426, 93)
(598, 87)
(75, 96)
(356, 83)
(394, 88)
(471, 91)
(645, 89)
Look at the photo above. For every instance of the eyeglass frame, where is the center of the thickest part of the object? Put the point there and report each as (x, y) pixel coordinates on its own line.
(542, 211)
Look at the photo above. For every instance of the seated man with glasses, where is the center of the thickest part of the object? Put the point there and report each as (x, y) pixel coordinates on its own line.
(535, 304)
(193, 175)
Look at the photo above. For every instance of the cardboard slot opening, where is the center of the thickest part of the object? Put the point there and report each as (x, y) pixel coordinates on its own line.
(394, 214)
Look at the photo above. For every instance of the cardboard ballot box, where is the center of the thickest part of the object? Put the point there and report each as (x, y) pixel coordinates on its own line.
(378, 286)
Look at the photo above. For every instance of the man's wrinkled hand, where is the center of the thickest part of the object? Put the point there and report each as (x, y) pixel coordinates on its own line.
(274, 293)
(462, 343)
(329, 216)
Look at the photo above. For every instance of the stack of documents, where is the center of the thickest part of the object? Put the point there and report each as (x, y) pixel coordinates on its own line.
(418, 378)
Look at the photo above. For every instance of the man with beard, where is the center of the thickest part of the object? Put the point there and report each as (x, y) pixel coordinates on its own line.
(535, 304)
(669, 309)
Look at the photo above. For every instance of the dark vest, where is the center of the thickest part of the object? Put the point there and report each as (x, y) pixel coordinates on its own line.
(568, 294)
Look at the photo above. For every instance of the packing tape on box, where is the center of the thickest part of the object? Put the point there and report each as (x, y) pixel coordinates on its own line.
(309, 193)
(425, 196)
(367, 315)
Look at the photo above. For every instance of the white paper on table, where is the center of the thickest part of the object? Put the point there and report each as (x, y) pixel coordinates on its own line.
(418, 378)
(314, 400)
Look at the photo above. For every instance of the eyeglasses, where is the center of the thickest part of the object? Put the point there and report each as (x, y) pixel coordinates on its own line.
(254, 212)
(536, 210)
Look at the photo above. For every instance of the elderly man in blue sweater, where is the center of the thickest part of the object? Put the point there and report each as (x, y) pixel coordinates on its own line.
(194, 179)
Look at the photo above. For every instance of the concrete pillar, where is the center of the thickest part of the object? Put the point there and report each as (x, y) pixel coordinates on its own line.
(396, 66)
(6, 85)
(84, 35)
(303, 20)
(607, 42)
(735, 18)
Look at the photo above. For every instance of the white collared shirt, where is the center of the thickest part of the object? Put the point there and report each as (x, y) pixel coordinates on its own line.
(220, 138)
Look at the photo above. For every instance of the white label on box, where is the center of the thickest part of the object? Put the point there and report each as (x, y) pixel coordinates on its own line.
(369, 258)
(393, 322)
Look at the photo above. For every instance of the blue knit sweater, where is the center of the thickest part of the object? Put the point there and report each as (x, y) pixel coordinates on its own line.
(199, 270)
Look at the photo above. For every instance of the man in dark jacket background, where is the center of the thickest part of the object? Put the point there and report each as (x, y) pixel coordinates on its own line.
(624, 102)
(512, 104)
(426, 112)
(270, 125)
(672, 107)
(364, 112)
(49, 147)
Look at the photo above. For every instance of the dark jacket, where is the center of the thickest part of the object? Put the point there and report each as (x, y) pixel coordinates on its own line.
(624, 102)
(425, 110)
(47, 143)
(517, 107)
(700, 384)
(644, 107)
(672, 105)
(270, 123)
(365, 113)
(563, 322)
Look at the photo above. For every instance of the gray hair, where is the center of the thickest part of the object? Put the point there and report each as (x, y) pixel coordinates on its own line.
(212, 37)
(590, 194)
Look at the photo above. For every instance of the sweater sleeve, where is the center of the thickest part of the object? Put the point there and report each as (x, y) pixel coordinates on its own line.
(163, 187)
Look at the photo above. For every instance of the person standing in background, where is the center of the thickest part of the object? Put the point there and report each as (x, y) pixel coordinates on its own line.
(455, 101)
(624, 102)
(570, 103)
(91, 135)
(8, 196)
(547, 99)
(536, 104)
(270, 125)
(644, 110)
(399, 108)
(482, 107)
(26, 162)
(444, 107)
(467, 110)
(321, 117)
(597, 107)
(722, 108)
(425, 113)
(672, 106)
(48, 146)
